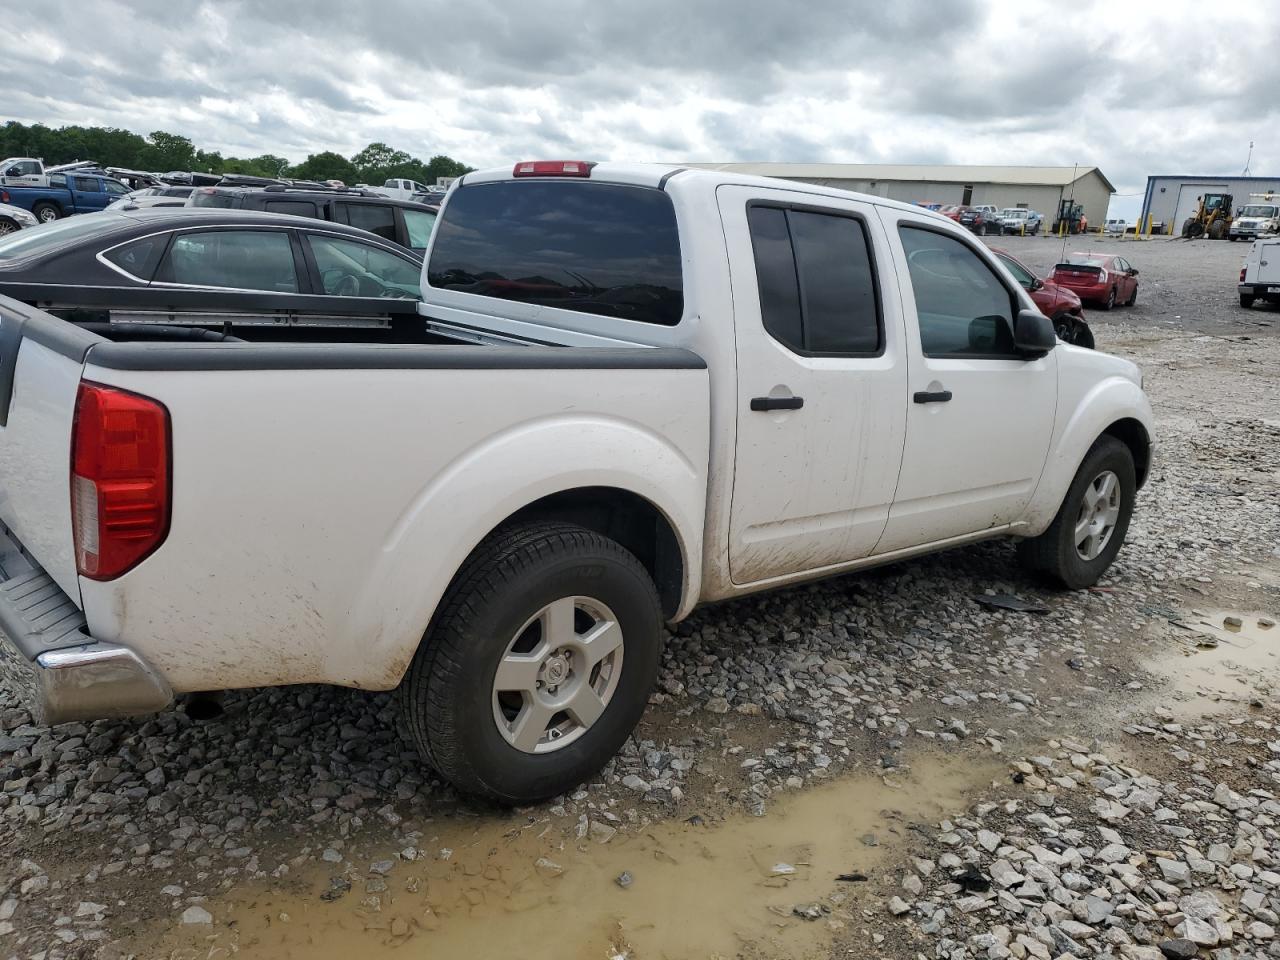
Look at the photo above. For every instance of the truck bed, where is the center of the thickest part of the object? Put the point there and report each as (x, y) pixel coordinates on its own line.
(323, 494)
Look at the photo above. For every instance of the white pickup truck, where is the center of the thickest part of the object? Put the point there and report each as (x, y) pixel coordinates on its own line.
(635, 388)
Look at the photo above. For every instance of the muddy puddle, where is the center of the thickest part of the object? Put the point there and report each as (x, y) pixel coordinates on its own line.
(1223, 657)
(528, 887)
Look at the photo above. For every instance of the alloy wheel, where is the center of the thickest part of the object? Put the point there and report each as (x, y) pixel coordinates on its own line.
(1096, 519)
(558, 674)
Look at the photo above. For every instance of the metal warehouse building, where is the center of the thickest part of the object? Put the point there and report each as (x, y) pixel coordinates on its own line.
(1171, 199)
(1038, 188)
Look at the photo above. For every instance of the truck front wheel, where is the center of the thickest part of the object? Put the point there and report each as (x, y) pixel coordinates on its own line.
(46, 212)
(1091, 524)
(538, 664)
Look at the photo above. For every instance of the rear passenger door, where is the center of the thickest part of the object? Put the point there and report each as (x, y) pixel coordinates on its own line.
(87, 194)
(979, 414)
(820, 380)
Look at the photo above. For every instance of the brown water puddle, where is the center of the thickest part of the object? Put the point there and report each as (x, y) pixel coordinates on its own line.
(698, 890)
(1225, 657)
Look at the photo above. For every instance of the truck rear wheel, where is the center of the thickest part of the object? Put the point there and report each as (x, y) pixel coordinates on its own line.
(538, 664)
(1091, 524)
(46, 212)
(1246, 300)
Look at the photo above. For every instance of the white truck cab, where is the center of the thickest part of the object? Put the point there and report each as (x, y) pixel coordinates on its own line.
(401, 189)
(30, 172)
(634, 388)
(1258, 218)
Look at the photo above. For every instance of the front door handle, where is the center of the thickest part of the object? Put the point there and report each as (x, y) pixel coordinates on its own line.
(936, 396)
(776, 403)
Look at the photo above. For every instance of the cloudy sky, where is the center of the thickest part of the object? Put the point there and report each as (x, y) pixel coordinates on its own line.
(1135, 88)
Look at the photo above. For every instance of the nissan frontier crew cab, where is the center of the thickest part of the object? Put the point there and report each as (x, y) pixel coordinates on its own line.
(633, 389)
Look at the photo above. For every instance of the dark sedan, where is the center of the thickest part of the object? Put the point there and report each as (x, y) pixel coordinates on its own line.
(976, 220)
(184, 249)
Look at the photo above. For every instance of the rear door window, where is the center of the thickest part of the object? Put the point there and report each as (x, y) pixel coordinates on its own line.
(298, 208)
(817, 281)
(234, 259)
(377, 218)
(419, 224)
(88, 185)
(599, 248)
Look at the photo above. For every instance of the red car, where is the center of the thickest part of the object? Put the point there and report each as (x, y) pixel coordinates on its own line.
(1101, 278)
(1056, 302)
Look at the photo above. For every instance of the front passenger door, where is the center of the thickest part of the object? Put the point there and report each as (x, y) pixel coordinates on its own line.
(979, 414)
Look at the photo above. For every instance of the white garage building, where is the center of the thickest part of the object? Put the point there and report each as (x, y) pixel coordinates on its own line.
(1171, 199)
(1037, 188)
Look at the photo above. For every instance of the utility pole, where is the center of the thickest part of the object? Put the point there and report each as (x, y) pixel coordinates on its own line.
(1245, 172)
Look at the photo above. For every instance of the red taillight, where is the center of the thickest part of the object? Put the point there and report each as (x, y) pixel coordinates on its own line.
(1242, 269)
(119, 479)
(4, 196)
(553, 168)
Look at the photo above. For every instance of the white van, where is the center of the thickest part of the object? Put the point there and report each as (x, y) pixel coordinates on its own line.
(1260, 275)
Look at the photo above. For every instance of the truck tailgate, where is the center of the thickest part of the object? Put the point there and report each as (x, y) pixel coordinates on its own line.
(41, 359)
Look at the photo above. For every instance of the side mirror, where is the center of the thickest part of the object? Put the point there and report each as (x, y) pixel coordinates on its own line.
(1036, 284)
(1133, 272)
(1033, 334)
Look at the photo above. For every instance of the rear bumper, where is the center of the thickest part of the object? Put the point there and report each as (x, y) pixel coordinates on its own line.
(1269, 291)
(48, 659)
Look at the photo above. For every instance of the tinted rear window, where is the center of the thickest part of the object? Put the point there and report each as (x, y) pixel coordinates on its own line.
(209, 198)
(591, 247)
(297, 208)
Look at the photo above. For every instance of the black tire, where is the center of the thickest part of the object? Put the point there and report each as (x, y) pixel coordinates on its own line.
(46, 212)
(1133, 297)
(1053, 554)
(982, 230)
(447, 696)
(8, 226)
(1110, 301)
(1232, 237)
(1246, 300)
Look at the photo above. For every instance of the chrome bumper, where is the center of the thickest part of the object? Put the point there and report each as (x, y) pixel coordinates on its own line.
(49, 660)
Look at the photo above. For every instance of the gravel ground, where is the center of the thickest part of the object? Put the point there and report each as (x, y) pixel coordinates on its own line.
(111, 826)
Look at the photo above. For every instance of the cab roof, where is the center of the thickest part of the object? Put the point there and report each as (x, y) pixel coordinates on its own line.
(677, 178)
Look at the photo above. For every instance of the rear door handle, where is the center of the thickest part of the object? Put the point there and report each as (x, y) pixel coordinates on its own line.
(776, 403)
(937, 396)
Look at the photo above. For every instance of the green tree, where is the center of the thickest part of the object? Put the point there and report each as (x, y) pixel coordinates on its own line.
(325, 165)
(442, 166)
(168, 151)
(376, 162)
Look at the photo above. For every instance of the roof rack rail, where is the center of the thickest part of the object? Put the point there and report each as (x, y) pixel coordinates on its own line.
(319, 188)
(246, 180)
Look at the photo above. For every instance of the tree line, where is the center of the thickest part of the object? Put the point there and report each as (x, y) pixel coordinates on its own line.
(161, 152)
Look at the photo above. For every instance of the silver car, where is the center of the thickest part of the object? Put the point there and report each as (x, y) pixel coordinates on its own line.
(1020, 220)
(13, 219)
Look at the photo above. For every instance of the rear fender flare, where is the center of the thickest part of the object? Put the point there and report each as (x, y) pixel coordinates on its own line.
(484, 487)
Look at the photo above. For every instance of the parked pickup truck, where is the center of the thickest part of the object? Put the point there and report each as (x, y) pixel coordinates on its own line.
(30, 172)
(634, 388)
(66, 194)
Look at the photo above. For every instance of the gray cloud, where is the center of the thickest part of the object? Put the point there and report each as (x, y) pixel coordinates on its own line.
(492, 81)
